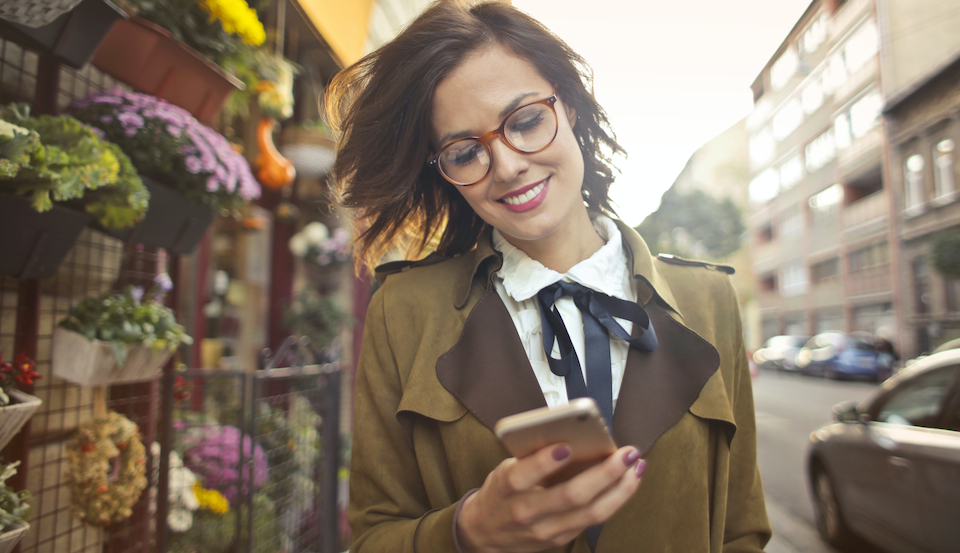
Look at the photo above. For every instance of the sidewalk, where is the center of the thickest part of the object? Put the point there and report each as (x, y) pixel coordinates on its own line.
(792, 534)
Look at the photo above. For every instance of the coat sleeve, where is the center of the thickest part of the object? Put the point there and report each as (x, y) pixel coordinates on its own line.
(747, 529)
(389, 509)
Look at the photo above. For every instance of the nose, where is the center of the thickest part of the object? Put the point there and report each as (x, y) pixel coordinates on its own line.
(508, 164)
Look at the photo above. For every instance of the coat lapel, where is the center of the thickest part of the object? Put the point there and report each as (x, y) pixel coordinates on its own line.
(660, 386)
(488, 370)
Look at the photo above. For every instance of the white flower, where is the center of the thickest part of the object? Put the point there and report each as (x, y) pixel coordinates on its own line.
(316, 233)
(179, 520)
(299, 245)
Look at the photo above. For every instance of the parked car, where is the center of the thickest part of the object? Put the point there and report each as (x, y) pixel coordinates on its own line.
(779, 352)
(889, 469)
(838, 355)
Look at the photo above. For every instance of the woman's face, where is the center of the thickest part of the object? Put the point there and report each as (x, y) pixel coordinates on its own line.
(527, 197)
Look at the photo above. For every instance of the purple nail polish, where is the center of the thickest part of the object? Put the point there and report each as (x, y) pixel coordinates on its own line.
(640, 468)
(631, 457)
(561, 452)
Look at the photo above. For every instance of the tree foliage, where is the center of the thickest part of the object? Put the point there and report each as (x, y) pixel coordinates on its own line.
(694, 224)
(946, 254)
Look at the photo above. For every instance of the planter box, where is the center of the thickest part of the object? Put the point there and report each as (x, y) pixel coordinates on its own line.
(172, 222)
(15, 415)
(71, 38)
(92, 363)
(10, 538)
(149, 59)
(34, 244)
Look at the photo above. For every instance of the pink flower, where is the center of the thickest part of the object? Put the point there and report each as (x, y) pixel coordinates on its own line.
(193, 164)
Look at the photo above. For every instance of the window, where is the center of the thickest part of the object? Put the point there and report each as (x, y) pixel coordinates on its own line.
(765, 234)
(865, 114)
(951, 289)
(791, 222)
(826, 202)
(870, 256)
(764, 187)
(787, 119)
(944, 182)
(918, 402)
(841, 131)
(834, 73)
(861, 47)
(793, 279)
(825, 270)
(820, 151)
(813, 94)
(768, 282)
(761, 146)
(784, 68)
(814, 36)
(791, 172)
(913, 197)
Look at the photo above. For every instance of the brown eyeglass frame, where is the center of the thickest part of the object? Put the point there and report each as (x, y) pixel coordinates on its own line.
(483, 139)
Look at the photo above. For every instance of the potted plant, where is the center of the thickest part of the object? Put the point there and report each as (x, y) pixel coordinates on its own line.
(57, 159)
(14, 510)
(174, 49)
(117, 337)
(189, 168)
(71, 37)
(316, 316)
(321, 252)
(16, 407)
(310, 146)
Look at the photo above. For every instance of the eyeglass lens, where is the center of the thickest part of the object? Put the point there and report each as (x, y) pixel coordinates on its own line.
(529, 129)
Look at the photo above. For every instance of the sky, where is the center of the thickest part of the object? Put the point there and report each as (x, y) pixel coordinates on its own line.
(671, 74)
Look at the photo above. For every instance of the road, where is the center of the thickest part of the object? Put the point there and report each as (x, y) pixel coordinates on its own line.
(789, 407)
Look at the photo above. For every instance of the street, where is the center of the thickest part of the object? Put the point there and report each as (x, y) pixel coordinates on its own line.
(789, 407)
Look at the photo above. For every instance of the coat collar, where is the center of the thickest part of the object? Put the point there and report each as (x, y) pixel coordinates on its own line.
(488, 371)
(485, 261)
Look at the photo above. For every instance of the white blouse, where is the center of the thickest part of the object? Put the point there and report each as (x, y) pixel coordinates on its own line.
(519, 280)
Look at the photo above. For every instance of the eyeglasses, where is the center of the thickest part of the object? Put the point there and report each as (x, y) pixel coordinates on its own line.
(528, 129)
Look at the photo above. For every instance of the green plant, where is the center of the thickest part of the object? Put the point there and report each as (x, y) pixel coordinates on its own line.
(13, 505)
(60, 159)
(945, 253)
(317, 317)
(122, 319)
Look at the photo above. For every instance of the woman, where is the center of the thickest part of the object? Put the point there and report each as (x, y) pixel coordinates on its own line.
(472, 134)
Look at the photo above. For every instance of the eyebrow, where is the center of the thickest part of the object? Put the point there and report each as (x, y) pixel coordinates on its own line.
(514, 104)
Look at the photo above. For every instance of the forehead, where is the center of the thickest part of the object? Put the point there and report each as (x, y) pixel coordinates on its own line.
(473, 97)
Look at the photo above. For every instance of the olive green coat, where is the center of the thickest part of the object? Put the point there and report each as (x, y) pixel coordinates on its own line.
(442, 362)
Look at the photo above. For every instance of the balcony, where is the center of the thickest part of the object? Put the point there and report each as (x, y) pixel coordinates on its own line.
(845, 17)
(858, 81)
(861, 151)
(765, 255)
(869, 281)
(870, 211)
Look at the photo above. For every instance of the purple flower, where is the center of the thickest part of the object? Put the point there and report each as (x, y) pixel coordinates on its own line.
(174, 130)
(136, 293)
(213, 453)
(213, 184)
(193, 164)
(130, 119)
(163, 281)
(100, 134)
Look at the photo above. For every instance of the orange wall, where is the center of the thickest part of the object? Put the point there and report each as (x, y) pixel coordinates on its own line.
(343, 23)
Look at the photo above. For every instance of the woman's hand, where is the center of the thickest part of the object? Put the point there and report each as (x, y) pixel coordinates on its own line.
(511, 512)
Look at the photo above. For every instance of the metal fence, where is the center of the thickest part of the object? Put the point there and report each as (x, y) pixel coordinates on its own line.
(260, 454)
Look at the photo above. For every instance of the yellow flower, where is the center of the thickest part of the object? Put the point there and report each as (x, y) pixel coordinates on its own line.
(237, 18)
(212, 500)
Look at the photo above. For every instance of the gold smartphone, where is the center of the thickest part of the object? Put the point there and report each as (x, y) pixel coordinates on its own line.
(578, 424)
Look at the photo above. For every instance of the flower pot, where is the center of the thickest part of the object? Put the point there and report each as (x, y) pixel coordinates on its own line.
(15, 415)
(172, 222)
(149, 59)
(92, 362)
(312, 151)
(34, 244)
(10, 538)
(72, 37)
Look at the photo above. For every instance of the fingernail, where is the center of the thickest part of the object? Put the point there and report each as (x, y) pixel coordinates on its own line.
(640, 468)
(631, 457)
(561, 452)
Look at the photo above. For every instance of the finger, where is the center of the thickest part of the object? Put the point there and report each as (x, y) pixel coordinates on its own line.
(557, 529)
(586, 486)
(525, 474)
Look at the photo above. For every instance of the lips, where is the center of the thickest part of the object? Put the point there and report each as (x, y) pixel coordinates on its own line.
(525, 198)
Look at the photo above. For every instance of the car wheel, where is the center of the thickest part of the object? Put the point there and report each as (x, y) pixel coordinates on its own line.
(826, 505)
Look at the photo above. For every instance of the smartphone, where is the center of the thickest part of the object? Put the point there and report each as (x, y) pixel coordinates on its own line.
(578, 424)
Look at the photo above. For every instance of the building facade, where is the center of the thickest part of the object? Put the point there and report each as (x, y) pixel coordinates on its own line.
(920, 59)
(819, 225)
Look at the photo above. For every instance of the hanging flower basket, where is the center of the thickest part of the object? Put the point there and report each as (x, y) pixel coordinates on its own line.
(71, 38)
(92, 362)
(148, 58)
(15, 415)
(34, 244)
(10, 538)
(173, 222)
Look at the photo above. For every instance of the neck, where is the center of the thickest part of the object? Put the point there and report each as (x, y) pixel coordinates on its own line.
(565, 247)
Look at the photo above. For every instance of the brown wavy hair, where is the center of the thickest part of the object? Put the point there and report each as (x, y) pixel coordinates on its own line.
(381, 108)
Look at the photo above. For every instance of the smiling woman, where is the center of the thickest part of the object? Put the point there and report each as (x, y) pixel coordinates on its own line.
(475, 127)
